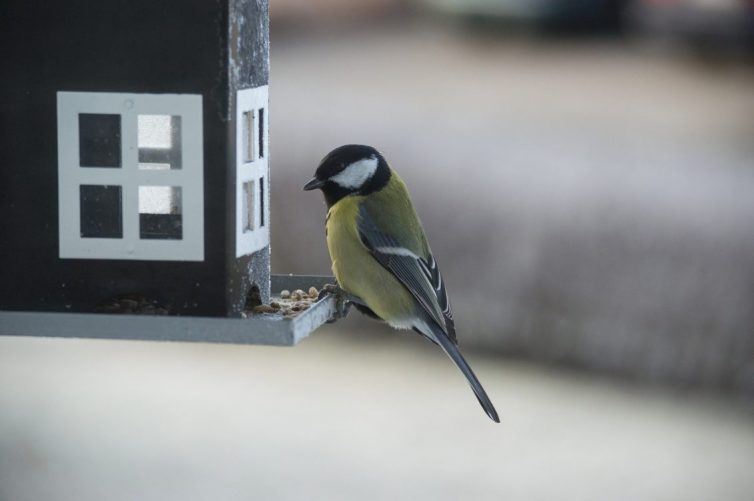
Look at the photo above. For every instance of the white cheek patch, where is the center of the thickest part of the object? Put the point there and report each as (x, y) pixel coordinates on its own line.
(356, 174)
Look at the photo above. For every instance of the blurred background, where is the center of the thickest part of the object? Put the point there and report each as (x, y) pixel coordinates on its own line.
(585, 173)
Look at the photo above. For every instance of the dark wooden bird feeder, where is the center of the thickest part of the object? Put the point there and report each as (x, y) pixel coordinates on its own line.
(134, 188)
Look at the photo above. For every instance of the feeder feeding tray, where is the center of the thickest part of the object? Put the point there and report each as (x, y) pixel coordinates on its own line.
(266, 329)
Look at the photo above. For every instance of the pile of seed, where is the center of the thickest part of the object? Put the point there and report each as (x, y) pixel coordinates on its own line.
(289, 303)
(134, 304)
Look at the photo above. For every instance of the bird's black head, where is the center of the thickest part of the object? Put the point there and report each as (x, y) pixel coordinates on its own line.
(350, 169)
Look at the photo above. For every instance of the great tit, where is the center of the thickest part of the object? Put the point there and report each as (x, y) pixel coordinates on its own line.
(380, 256)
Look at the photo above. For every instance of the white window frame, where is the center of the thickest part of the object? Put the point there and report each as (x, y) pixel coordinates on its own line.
(190, 177)
(256, 239)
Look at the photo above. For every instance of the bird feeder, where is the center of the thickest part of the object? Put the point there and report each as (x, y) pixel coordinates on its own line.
(135, 180)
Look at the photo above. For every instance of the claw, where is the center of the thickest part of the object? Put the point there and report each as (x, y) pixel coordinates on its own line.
(342, 301)
(328, 289)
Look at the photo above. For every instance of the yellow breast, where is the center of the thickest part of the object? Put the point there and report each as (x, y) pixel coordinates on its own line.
(356, 271)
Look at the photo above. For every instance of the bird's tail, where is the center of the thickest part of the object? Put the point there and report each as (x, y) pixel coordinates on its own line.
(452, 351)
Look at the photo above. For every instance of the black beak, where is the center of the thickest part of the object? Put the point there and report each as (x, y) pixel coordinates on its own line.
(313, 184)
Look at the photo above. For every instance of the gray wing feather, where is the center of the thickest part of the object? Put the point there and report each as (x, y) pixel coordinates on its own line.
(421, 276)
(438, 284)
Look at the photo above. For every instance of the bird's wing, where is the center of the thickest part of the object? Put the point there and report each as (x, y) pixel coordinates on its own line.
(419, 274)
(417, 270)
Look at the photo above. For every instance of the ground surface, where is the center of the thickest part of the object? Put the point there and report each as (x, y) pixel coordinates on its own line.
(345, 417)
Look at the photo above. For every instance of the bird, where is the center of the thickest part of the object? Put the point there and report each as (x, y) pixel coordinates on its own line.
(380, 256)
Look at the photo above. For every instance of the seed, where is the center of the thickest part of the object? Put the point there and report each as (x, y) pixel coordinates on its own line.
(264, 308)
(129, 303)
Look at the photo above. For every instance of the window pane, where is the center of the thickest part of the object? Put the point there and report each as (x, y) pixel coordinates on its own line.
(160, 212)
(159, 141)
(99, 140)
(154, 131)
(247, 136)
(260, 134)
(101, 213)
(247, 210)
(261, 201)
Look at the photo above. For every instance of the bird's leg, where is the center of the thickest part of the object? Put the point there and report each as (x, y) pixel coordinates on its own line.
(343, 301)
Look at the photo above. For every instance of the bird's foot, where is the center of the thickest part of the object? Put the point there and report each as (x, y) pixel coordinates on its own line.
(343, 301)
